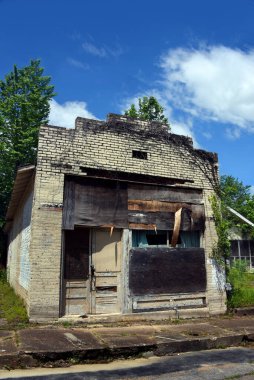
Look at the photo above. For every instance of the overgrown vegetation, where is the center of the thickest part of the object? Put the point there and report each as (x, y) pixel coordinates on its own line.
(242, 281)
(148, 109)
(11, 306)
(242, 285)
(221, 250)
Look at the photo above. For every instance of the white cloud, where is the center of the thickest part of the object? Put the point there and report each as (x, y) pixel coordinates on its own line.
(252, 190)
(64, 115)
(214, 83)
(94, 50)
(78, 64)
(102, 51)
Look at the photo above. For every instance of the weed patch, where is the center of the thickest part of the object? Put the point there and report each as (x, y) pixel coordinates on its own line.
(11, 306)
(242, 285)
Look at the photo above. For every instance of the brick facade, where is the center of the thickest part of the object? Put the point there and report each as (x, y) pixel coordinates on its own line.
(108, 146)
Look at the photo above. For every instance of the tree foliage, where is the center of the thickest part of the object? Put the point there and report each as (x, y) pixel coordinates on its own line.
(237, 196)
(148, 109)
(24, 105)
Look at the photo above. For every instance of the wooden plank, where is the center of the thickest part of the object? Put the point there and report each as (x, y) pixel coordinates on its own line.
(142, 226)
(156, 206)
(101, 203)
(69, 205)
(132, 177)
(161, 193)
(165, 270)
(172, 297)
(193, 219)
(93, 202)
(106, 281)
(169, 303)
(176, 229)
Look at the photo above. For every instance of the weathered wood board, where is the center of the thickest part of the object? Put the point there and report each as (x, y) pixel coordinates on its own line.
(162, 193)
(166, 270)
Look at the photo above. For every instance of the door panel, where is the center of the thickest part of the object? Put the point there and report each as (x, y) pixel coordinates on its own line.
(106, 259)
(107, 251)
(76, 272)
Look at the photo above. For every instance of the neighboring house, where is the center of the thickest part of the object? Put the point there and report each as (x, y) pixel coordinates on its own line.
(242, 246)
(243, 249)
(115, 218)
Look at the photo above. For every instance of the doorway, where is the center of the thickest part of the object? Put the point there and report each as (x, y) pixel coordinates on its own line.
(106, 262)
(76, 284)
(92, 271)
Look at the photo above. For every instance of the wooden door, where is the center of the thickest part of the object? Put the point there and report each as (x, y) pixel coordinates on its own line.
(106, 264)
(77, 271)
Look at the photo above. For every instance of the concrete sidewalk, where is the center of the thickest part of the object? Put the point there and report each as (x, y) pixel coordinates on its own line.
(58, 346)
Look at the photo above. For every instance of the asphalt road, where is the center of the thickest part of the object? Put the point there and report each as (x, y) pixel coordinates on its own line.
(223, 364)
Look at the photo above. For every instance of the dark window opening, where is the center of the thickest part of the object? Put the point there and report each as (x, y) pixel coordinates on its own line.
(156, 239)
(140, 155)
(149, 238)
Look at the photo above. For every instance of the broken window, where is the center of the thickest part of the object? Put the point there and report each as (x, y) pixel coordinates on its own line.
(149, 238)
(139, 154)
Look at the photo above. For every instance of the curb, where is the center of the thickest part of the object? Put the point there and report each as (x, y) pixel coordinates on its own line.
(28, 359)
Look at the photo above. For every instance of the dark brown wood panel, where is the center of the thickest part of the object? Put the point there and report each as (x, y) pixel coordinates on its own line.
(190, 221)
(76, 255)
(69, 205)
(161, 193)
(165, 271)
(133, 177)
(95, 203)
(155, 206)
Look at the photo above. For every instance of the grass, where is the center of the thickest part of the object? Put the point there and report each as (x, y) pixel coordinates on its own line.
(12, 307)
(243, 285)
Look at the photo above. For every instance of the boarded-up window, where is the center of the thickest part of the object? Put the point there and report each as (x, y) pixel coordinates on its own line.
(151, 207)
(165, 271)
(98, 202)
(92, 202)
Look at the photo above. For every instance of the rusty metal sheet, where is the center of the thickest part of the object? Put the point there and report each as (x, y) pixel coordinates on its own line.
(166, 271)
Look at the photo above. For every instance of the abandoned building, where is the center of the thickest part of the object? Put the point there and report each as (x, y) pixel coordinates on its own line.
(115, 218)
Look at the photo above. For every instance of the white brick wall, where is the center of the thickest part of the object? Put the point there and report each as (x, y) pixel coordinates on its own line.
(103, 145)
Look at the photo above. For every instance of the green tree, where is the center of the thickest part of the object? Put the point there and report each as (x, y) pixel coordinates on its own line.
(24, 105)
(148, 109)
(237, 196)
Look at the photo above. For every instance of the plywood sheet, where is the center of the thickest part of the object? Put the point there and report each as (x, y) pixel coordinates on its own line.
(165, 270)
(162, 193)
(93, 203)
(107, 254)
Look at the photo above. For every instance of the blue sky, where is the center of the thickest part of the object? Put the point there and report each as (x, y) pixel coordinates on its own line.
(196, 57)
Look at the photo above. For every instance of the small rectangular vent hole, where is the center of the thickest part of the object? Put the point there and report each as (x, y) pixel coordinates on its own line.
(140, 155)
